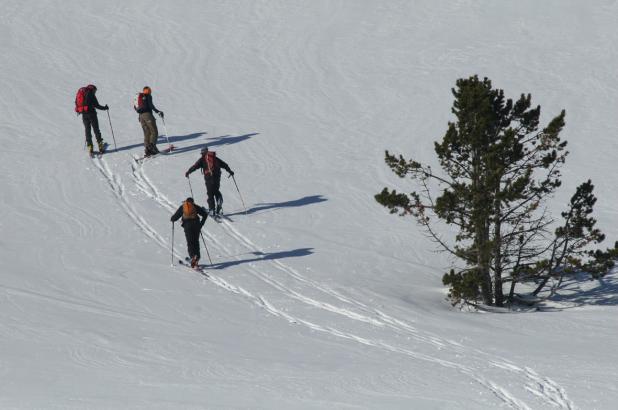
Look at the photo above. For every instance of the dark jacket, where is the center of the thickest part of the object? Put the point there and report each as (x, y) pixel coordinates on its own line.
(219, 163)
(148, 105)
(191, 223)
(91, 101)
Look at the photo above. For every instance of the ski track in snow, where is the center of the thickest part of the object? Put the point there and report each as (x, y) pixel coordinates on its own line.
(540, 387)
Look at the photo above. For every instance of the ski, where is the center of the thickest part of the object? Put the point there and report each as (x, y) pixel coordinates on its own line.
(199, 268)
(223, 216)
(220, 217)
(163, 151)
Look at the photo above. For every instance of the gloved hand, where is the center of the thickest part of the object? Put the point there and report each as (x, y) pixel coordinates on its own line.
(106, 107)
(161, 114)
(231, 173)
(187, 174)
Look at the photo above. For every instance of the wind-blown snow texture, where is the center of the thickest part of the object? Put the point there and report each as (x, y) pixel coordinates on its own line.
(318, 298)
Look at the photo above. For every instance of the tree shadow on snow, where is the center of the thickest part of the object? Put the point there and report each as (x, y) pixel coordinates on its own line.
(307, 200)
(581, 291)
(262, 256)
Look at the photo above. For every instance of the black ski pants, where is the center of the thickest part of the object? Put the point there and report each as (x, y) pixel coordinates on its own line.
(212, 189)
(91, 120)
(192, 233)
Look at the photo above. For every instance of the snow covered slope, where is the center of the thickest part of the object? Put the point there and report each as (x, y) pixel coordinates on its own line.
(317, 297)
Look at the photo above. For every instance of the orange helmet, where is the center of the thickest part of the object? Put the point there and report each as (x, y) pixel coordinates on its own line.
(147, 90)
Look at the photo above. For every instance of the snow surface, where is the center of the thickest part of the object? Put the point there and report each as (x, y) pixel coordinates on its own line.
(318, 298)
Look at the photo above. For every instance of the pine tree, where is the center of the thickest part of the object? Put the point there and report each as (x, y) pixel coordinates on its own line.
(499, 170)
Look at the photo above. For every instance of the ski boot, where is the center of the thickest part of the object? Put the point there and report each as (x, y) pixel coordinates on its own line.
(194, 261)
(219, 206)
(90, 150)
(102, 146)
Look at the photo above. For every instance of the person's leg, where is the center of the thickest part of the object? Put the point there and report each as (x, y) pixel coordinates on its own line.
(95, 126)
(146, 130)
(188, 237)
(154, 132)
(86, 121)
(151, 133)
(210, 189)
(218, 196)
(196, 244)
(192, 234)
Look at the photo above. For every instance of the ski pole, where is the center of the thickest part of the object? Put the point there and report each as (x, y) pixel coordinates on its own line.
(205, 247)
(173, 243)
(191, 189)
(169, 146)
(112, 128)
(243, 202)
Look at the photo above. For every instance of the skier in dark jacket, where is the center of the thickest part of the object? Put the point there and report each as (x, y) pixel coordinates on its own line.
(144, 107)
(90, 119)
(211, 168)
(192, 225)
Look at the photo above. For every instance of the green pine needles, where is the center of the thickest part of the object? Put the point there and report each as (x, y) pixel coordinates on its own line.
(499, 168)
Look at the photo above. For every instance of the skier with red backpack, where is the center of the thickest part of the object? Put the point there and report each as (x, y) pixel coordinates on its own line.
(144, 106)
(86, 104)
(211, 168)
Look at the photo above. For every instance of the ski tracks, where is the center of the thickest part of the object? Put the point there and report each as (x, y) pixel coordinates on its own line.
(540, 387)
(118, 189)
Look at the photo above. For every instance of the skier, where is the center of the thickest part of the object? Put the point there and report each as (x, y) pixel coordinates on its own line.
(192, 225)
(211, 167)
(86, 104)
(144, 107)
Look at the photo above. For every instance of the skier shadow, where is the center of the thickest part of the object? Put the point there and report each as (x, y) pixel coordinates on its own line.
(306, 200)
(162, 140)
(261, 256)
(213, 142)
(581, 291)
(178, 138)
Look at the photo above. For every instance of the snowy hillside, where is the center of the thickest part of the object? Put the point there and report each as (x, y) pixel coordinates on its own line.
(317, 297)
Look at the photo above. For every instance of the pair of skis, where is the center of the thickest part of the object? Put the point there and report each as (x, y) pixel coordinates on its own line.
(163, 151)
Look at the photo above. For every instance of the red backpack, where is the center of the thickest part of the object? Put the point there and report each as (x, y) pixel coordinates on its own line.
(138, 101)
(212, 165)
(80, 99)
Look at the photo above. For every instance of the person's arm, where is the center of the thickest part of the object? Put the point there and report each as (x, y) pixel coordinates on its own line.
(225, 166)
(177, 214)
(203, 213)
(198, 164)
(95, 103)
(152, 106)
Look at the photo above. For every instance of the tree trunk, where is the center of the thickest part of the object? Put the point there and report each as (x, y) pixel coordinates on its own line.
(498, 293)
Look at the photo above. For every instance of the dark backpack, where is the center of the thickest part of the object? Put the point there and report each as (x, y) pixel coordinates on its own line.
(81, 98)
